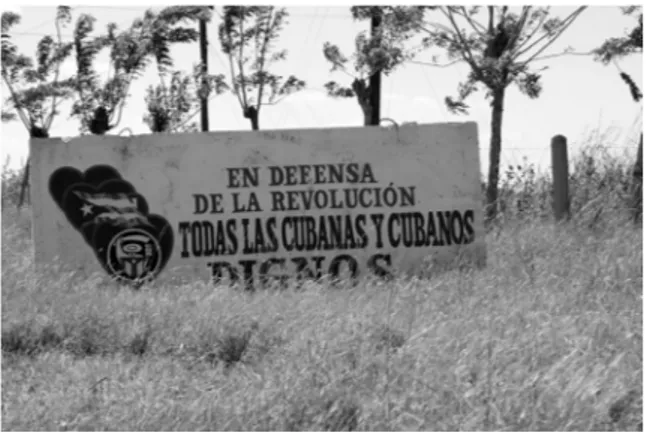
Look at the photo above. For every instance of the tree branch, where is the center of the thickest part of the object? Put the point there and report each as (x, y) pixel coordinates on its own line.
(263, 51)
(189, 118)
(466, 52)
(491, 10)
(276, 102)
(565, 24)
(571, 19)
(79, 89)
(519, 27)
(348, 73)
(160, 70)
(435, 64)
(162, 81)
(125, 95)
(341, 67)
(120, 106)
(84, 114)
(192, 115)
(232, 68)
(434, 24)
(50, 119)
(244, 90)
(563, 54)
(533, 33)
(122, 102)
(25, 121)
(41, 117)
(233, 78)
(472, 22)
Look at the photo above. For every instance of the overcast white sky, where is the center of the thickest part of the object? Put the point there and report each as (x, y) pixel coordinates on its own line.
(579, 94)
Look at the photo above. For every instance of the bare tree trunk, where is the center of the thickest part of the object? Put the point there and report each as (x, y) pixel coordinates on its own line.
(364, 99)
(254, 123)
(494, 153)
(252, 114)
(36, 132)
(24, 185)
(637, 181)
(375, 78)
(367, 116)
(204, 100)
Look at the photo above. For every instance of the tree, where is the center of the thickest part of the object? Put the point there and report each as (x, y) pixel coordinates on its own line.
(247, 29)
(34, 84)
(31, 84)
(382, 52)
(499, 52)
(100, 105)
(619, 47)
(611, 50)
(171, 105)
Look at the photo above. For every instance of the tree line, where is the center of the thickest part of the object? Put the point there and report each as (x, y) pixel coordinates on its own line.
(500, 46)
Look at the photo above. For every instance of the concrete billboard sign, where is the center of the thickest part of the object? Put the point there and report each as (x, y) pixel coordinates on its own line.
(256, 206)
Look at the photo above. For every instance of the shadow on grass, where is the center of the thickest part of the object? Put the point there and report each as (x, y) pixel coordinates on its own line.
(25, 340)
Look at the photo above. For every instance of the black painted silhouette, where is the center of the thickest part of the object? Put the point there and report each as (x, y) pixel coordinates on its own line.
(131, 244)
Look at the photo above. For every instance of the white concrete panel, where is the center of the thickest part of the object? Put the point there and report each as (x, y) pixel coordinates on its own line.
(267, 202)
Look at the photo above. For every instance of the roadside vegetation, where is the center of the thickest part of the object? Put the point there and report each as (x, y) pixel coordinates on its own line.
(547, 337)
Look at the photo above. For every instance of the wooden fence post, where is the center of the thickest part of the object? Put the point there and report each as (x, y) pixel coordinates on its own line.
(560, 177)
(637, 182)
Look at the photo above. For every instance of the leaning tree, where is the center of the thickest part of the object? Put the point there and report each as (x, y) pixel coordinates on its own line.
(99, 104)
(175, 99)
(248, 35)
(35, 87)
(618, 47)
(380, 52)
(500, 47)
(610, 51)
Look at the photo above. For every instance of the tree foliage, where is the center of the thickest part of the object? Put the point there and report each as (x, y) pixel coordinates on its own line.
(382, 52)
(248, 36)
(167, 107)
(34, 84)
(500, 51)
(631, 43)
(100, 103)
(170, 107)
(619, 47)
(500, 46)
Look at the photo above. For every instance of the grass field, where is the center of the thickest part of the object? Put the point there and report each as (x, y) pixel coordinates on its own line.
(547, 337)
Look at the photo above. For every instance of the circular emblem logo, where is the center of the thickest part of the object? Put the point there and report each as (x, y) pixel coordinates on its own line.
(134, 255)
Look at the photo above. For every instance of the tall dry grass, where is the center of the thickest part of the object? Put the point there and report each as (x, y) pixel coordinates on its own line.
(547, 337)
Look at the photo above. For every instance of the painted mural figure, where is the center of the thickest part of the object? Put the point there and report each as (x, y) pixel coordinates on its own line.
(132, 245)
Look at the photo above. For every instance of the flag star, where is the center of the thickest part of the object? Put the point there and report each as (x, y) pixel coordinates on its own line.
(86, 209)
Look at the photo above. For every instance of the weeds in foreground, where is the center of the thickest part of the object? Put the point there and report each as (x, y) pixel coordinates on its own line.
(547, 337)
